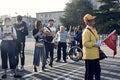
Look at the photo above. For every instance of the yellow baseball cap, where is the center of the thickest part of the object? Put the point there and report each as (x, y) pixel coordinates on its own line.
(88, 17)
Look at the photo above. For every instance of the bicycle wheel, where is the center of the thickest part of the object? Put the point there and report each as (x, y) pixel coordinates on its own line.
(75, 53)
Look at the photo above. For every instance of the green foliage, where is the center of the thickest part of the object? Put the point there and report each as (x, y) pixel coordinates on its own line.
(108, 16)
(75, 11)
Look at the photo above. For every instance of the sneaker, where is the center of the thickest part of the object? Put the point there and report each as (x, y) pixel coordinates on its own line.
(50, 65)
(17, 67)
(57, 60)
(65, 61)
(4, 76)
(43, 68)
(35, 69)
(17, 76)
(22, 68)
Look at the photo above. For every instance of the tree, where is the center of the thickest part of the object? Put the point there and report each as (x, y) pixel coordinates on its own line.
(108, 16)
(75, 11)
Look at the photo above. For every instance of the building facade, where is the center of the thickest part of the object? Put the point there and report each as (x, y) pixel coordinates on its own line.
(45, 16)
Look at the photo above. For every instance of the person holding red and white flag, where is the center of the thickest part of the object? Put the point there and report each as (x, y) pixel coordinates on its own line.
(110, 41)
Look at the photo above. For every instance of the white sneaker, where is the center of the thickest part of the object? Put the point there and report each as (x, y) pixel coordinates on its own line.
(22, 68)
(17, 68)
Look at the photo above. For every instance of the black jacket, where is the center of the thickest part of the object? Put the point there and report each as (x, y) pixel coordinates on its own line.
(23, 33)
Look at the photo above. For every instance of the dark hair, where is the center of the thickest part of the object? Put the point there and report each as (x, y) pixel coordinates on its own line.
(50, 20)
(38, 23)
(7, 19)
(19, 18)
(71, 28)
(79, 28)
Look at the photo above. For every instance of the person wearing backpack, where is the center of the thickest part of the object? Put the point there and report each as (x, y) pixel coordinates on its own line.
(8, 35)
(50, 31)
(22, 32)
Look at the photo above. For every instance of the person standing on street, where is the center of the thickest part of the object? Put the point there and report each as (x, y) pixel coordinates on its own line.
(78, 36)
(39, 52)
(22, 32)
(50, 31)
(71, 33)
(8, 35)
(91, 44)
(61, 38)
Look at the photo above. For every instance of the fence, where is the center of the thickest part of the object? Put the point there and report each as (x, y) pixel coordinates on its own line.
(102, 37)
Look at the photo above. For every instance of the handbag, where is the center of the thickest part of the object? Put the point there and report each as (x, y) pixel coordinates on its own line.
(102, 55)
(39, 44)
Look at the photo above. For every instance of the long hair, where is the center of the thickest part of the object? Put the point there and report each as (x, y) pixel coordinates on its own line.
(38, 24)
(71, 29)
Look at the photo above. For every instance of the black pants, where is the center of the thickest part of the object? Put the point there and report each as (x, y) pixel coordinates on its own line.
(49, 49)
(20, 46)
(8, 52)
(92, 68)
(62, 46)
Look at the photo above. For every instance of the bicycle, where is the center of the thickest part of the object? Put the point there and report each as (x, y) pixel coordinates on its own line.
(75, 53)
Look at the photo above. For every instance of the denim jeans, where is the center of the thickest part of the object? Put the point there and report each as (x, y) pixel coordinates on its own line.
(8, 52)
(39, 53)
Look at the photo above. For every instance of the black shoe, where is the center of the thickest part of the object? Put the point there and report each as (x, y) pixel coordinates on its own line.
(57, 60)
(43, 68)
(35, 69)
(4, 76)
(50, 65)
(65, 61)
(17, 76)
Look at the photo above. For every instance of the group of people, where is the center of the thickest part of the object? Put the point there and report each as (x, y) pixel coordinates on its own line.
(13, 44)
(45, 37)
(44, 46)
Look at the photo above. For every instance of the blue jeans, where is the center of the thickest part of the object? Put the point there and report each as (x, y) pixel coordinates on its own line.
(39, 53)
(8, 52)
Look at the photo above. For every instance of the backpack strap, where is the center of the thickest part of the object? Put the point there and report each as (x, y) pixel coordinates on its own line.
(49, 29)
(2, 29)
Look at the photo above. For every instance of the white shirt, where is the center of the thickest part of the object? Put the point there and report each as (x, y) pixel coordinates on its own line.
(52, 29)
(7, 30)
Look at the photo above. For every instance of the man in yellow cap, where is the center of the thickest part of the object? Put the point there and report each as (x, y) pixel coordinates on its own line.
(91, 44)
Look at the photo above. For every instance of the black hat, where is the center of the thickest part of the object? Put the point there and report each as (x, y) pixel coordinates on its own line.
(19, 18)
(50, 20)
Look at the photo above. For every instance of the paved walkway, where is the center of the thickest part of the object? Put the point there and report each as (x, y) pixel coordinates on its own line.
(67, 71)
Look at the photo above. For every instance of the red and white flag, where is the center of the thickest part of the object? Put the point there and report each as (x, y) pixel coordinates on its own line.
(111, 41)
